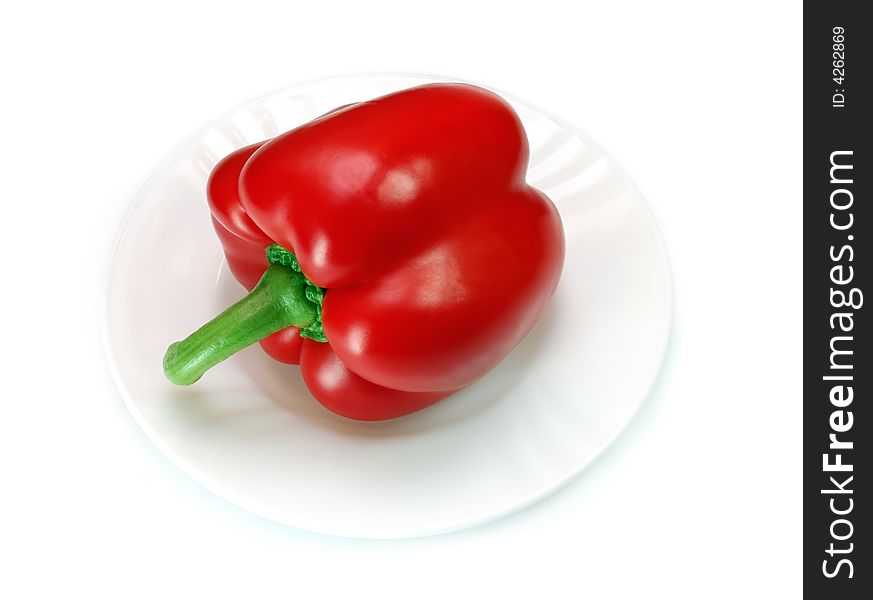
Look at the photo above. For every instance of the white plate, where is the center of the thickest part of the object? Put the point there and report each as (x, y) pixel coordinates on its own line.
(249, 429)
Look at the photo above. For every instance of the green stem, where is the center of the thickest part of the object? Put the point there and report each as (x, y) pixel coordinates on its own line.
(278, 301)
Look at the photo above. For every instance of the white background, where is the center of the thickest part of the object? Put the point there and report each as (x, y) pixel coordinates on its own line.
(700, 497)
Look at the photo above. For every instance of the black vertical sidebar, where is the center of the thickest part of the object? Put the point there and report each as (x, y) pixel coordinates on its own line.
(837, 337)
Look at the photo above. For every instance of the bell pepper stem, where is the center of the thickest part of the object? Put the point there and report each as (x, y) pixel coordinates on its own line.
(277, 301)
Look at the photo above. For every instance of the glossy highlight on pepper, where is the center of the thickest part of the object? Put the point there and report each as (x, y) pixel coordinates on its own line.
(393, 248)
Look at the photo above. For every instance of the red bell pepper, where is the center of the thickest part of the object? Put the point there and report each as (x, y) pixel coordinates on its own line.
(405, 253)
